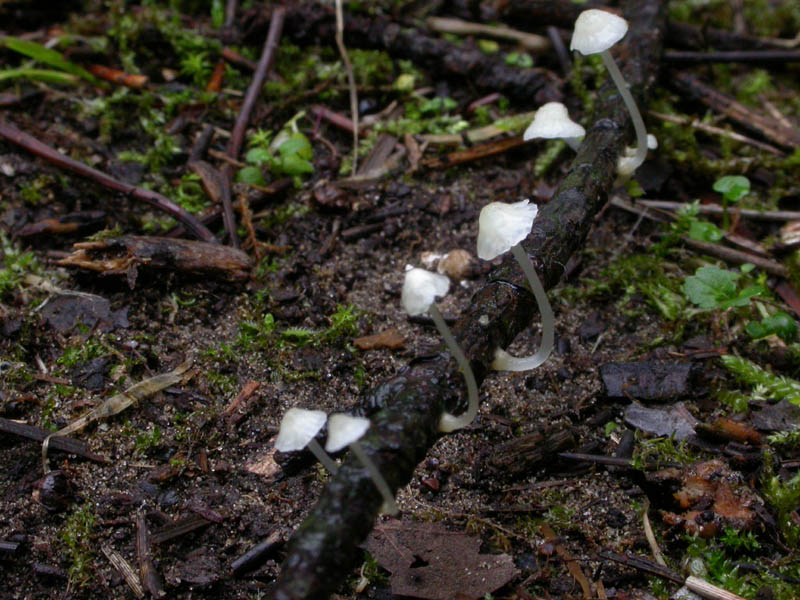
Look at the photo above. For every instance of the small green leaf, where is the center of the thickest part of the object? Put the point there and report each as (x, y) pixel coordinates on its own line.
(780, 323)
(296, 144)
(519, 59)
(732, 187)
(250, 175)
(44, 75)
(710, 287)
(704, 231)
(292, 164)
(258, 156)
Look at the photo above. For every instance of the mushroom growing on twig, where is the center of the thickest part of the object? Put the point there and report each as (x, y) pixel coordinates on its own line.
(501, 227)
(595, 32)
(420, 290)
(298, 428)
(345, 430)
(552, 122)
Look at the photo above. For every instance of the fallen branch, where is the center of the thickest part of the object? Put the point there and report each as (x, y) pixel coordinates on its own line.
(31, 144)
(315, 24)
(405, 410)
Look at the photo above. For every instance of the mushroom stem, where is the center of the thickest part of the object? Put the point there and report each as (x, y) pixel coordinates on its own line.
(503, 361)
(389, 503)
(322, 456)
(450, 422)
(630, 104)
(573, 142)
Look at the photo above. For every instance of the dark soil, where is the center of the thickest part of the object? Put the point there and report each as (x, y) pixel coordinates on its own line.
(195, 449)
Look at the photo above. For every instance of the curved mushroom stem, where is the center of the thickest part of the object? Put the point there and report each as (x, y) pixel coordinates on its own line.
(322, 456)
(503, 361)
(573, 143)
(450, 422)
(389, 503)
(636, 116)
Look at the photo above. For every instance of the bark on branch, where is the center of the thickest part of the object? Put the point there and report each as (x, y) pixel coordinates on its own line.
(324, 549)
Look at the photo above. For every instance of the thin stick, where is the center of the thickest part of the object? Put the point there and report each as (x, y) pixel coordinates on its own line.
(530, 41)
(778, 216)
(697, 124)
(707, 590)
(651, 538)
(351, 81)
(125, 569)
(31, 144)
(237, 137)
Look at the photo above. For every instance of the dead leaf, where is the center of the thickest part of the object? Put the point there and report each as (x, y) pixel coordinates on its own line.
(428, 561)
(391, 338)
(675, 421)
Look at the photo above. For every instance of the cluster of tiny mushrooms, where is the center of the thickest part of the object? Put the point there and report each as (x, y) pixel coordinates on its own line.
(501, 227)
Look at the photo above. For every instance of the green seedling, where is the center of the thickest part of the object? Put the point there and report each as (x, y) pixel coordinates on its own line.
(289, 153)
(780, 324)
(75, 535)
(522, 60)
(15, 265)
(733, 188)
(715, 288)
(48, 57)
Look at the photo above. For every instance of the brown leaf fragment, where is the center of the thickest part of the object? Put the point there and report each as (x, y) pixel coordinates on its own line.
(390, 338)
(729, 430)
(210, 178)
(782, 416)
(712, 497)
(428, 561)
(123, 255)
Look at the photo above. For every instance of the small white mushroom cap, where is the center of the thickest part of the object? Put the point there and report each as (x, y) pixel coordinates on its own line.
(596, 31)
(420, 290)
(343, 430)
(298, 428)
(502, 226)
(552, 121)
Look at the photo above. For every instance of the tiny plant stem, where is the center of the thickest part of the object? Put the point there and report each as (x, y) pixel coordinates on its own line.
(351, 81)
(389, 503)
(450, 422)
(503, 361)
(630, 104)
(322, 457)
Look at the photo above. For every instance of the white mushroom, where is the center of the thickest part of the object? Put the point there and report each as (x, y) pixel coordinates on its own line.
(298, 428)
(501, 227)
(345, 430)
(552, 122)
(595, 32)
(420, 290)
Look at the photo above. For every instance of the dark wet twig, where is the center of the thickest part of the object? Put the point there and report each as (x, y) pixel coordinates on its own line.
(237, 137)
(63, 443)
(406, 409)
(737, 56)
(31, 144)
(144, 555)
(315, 23)
(561, 50)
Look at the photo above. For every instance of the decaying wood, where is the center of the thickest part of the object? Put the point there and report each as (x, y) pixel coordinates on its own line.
(315, 24)
(119, 256)
(522, 455)
(477, 152)
(405, 410)
(150, 577)
(760, 57)
(39, 434)
(178, 528)
(770, 128)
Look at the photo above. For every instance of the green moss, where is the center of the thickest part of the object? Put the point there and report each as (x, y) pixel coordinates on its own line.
(15, 265)
(75, 535)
